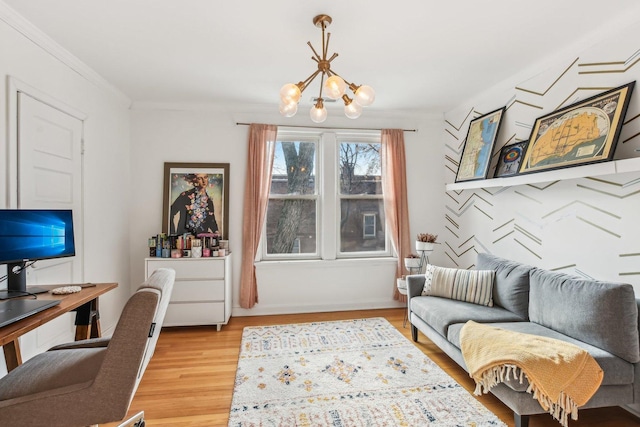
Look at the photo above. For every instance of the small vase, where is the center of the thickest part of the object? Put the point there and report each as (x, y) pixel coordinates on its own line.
(425, 246)
(412, 262)
(402, 286)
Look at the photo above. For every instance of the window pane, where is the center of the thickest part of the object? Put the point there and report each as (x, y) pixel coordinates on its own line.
(360, 168)
(294, 168)
(369, 225)
(352, 234)
(291, 226)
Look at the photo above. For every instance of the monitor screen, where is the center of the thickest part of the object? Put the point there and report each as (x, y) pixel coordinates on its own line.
(35, 234)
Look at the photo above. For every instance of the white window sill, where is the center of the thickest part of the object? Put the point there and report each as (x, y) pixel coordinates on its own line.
(320, 263)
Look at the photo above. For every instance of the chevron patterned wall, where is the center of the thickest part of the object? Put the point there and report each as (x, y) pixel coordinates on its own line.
(589, 226)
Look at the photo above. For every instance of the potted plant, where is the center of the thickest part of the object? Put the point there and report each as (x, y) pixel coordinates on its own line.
(426, 242)
(412, 261)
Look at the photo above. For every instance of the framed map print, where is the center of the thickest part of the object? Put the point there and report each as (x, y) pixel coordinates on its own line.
(478, 147)
(510, 159)
(585, 132)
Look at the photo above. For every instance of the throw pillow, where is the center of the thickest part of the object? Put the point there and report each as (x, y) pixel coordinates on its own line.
(474, 286)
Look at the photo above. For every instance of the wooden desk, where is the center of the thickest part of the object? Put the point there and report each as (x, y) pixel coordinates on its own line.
(84, 303)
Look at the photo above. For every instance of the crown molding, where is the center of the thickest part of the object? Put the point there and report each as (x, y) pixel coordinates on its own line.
(46, 43)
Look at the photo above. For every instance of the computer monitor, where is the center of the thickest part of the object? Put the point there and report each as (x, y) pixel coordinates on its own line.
(28, 235)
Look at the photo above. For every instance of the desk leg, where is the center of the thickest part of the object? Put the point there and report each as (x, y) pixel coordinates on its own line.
(12, 355)
(96, 331)
(88, 321)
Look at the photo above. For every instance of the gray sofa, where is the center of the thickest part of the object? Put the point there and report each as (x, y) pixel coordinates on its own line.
(601, 317)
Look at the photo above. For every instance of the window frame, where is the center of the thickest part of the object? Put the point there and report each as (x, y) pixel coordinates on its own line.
(360, 137)
(327, 194)
(293, 136)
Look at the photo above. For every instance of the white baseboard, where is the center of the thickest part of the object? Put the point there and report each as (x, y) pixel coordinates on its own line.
(266, 310)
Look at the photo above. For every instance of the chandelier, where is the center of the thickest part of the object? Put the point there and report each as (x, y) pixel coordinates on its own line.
(331, 83)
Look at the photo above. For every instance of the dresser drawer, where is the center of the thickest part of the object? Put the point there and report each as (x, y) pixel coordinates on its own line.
(201, 313)
(198, 290)
(195, 268)
(202, 290)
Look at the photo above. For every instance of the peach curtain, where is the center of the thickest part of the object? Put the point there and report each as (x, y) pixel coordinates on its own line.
(262, 140)
(396, 206)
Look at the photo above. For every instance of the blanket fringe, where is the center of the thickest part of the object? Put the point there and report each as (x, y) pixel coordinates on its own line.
(559, 410)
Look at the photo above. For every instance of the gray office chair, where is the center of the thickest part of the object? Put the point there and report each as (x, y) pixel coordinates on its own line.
(92, 381)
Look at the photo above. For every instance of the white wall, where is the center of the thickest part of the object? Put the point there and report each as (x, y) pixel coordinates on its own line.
(584, 226)
(28, 55)
(209, 134)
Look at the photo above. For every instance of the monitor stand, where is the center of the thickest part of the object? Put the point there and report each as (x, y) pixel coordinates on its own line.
(17, 282)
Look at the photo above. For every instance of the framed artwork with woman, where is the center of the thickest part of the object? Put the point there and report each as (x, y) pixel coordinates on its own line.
(196, 198)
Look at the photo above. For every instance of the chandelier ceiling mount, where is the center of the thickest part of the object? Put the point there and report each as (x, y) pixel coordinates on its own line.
(331, 83)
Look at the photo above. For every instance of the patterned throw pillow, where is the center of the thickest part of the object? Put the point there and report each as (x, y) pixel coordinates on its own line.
(474, 286)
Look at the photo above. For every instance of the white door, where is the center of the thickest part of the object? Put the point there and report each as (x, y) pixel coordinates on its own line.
(49, 151)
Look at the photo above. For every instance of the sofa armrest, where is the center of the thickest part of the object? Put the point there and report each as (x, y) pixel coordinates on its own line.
(415, 283)
(636, 370)
(638, 304)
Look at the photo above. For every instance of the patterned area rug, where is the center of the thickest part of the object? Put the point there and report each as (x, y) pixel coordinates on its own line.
(346, 373)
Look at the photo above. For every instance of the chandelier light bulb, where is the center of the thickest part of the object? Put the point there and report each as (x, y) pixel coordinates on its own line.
(318, 112)
(290, 92)
(288, 109)
(352, 109)
(334, 87)
(365, 95)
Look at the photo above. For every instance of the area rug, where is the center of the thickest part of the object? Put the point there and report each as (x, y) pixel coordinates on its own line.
(362, 373)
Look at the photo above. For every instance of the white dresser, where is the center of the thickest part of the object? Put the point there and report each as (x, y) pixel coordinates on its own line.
(202, 290)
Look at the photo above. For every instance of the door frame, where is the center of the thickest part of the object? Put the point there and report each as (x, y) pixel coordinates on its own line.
(14, 86)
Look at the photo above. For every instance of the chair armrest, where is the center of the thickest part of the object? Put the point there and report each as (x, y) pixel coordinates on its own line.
(90, 343)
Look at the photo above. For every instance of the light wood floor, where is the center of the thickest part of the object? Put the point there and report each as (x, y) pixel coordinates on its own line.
(189, 381)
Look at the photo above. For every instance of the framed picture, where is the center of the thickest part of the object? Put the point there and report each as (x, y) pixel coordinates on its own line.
(510, 159)
(584, 132)
(196, 198)
(478, 147)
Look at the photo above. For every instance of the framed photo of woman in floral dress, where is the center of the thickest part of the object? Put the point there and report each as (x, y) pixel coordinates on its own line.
(196, 198)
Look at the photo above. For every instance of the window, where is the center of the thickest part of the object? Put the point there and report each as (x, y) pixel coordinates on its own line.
(292, 219)
(326, 198)
(369, 226)
(296, 246)
(360, 192)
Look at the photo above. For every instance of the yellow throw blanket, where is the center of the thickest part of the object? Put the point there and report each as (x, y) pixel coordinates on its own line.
(562, 376)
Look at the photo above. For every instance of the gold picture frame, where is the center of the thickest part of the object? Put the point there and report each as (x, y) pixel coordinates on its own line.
(581, 133)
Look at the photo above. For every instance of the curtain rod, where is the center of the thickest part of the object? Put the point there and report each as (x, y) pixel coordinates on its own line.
(325, 127)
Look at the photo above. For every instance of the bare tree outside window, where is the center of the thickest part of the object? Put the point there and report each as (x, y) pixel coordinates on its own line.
(291, 218)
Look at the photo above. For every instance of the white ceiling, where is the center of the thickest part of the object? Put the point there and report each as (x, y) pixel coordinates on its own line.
(418, 54)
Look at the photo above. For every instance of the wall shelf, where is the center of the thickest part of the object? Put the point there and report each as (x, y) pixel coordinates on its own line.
(596, 169)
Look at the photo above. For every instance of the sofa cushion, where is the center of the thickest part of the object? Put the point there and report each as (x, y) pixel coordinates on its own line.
(616, 370)
(603, 314)
(464, 285)
(511, 285)
(439, 312)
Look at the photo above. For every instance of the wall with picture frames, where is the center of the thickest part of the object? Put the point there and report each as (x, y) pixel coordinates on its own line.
(584, 225)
